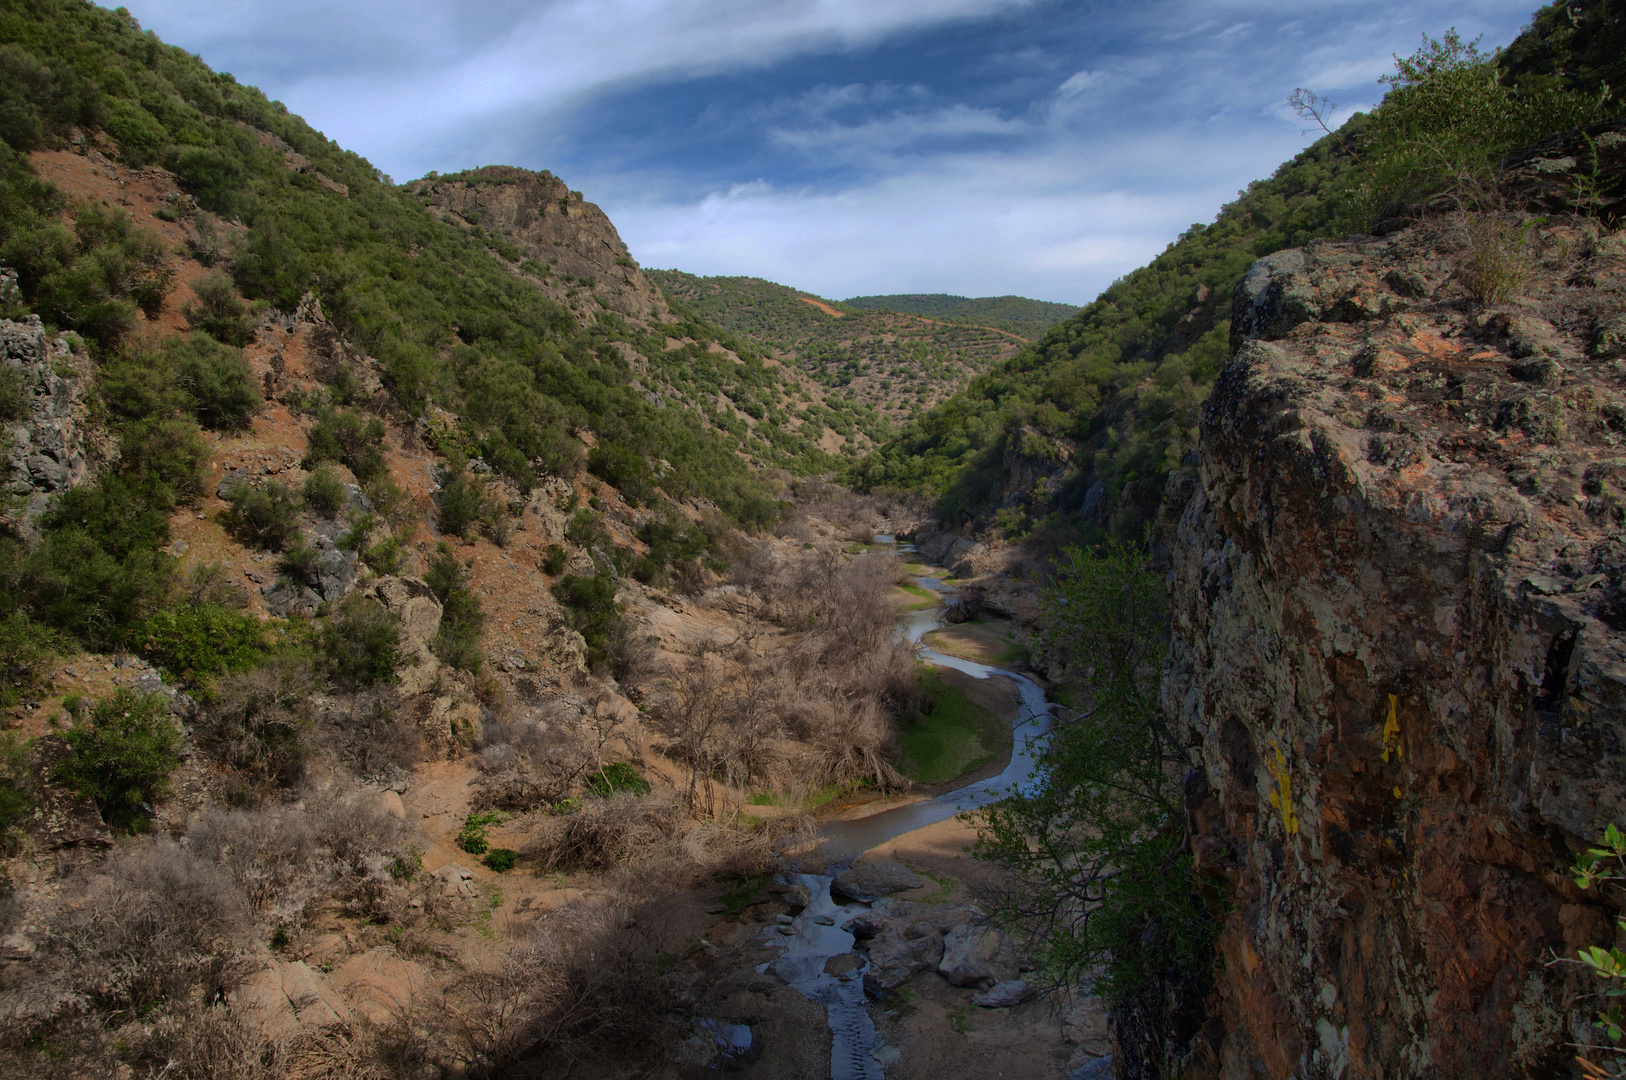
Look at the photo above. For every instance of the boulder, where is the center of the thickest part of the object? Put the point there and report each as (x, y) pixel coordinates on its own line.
(978, 956)
(894, 959)
(867, 884)
(1003, 995)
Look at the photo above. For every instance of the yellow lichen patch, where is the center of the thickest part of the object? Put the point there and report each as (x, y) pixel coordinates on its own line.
(1391, 732)
(1282, 797)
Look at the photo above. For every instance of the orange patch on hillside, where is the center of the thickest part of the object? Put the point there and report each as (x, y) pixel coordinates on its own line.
(822, 306)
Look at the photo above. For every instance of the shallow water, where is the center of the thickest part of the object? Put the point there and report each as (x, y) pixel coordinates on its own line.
(808, 944)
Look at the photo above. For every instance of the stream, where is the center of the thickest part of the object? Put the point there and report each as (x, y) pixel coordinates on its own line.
(815, 936)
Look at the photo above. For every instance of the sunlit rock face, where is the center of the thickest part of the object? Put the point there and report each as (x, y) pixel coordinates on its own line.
(1399, 650)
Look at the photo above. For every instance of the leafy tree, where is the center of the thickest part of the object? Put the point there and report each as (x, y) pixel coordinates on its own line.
(123, 757)
(1096, 838)
(217, 380)
(263, 515)
(360, 643)
(324, 492)
(219, 311)
(590, 602)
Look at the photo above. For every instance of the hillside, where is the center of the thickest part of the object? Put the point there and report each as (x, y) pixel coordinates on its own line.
(888, 365)
(1081, 430)
(1021, 316)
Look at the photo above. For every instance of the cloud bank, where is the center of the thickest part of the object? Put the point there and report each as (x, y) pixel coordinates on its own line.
(983, 147)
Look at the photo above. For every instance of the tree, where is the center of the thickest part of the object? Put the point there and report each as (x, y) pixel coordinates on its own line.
(1096, 838)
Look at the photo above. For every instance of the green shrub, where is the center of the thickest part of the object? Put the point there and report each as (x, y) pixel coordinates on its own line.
(462, 619)
(139, 136)
(463, 504)
(617, 776)
(13, 402)
(219, 311)
(16, 798)
(472, 837)
(349, 438)
(265, 515)
(192, 643)
(219, 382)
(501, 859)
(325, 493)
(123, 757)
(387, 557)
(360, 643)
(590, 603)
(166, 458)
(24, 646)
(554, 559)
(623, 468)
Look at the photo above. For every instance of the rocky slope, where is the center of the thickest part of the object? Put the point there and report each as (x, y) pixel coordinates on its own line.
(1399, 655)
(567, 246)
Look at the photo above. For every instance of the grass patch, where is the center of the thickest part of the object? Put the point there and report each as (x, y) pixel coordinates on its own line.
(913, 597)
(954, 736)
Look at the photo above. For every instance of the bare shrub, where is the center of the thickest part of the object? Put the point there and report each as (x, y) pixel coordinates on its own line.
(729, 712)
(369, 731)
(283, 858)
(541, 757)
(604, 832)
(256, 721)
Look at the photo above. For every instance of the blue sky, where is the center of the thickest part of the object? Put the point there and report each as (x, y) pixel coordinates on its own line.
(982, 147)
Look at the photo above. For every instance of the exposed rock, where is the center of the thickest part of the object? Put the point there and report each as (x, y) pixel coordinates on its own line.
(455, 880)
(843, 966)
(62, 819)
(17, 946)
(866, 884)
(45, 448)
(288, 1000)
(579, 260)
(1399, 661)
(978, 956)
(1003, 995)
(415, 605)
(391, 801)
(908, 940)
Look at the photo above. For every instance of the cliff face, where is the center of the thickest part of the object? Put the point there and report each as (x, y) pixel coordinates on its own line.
(579, 258)
(1399, 657)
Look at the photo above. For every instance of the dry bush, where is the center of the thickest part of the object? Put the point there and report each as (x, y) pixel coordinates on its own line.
(283, 858)
(538, 757)
(370, 732)
(604, 832)
(1495, 259)
(256, 721)
(733, 712)
(153, 931)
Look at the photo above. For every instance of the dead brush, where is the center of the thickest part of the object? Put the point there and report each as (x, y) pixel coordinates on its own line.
(604, 832)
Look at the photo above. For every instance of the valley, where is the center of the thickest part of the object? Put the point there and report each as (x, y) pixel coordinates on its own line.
(434, 645)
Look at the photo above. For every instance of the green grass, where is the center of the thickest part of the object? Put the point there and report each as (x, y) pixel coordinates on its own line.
(955, 736)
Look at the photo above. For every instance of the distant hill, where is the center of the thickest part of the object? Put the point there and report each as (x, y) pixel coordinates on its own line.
(1021, 316)
(894, 365)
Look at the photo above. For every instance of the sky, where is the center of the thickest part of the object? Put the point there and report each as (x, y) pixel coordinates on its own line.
(1041, 148)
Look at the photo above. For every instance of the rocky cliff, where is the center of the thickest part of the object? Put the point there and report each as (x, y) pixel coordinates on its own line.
(1399, 650)
(567, 247)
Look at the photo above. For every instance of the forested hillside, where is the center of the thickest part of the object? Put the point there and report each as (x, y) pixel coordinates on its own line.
(881, 368)
(1082, 428)
(1021, 316)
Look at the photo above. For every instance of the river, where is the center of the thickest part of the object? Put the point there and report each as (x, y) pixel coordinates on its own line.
(814, 936)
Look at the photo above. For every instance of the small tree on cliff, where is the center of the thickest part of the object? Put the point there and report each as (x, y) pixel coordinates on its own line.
(1096, 837)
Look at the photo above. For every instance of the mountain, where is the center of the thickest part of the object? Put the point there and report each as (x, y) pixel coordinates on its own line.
(1079, 432)
(885, 366)
(1021, 316)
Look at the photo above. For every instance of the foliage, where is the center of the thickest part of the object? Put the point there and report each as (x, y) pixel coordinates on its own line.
(194, 643)
(325, 493)
(590, 602)
(217, 381)
(617, 776)
(472, 837)
(360, 643)
(24, 647)
(265, 515)
(554, 559)
(462, 619)
(1097, 838)
(1021, 316)
(219, 311)
(501, 859)
(350, 438)
(952, 736)
(13, 398)
(123, 757)
(1602, 866)
(16, 799)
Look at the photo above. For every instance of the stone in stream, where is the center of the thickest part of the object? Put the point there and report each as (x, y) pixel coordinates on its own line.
(1004, 995)
(867, 884)
(978, 956)
(865, 925)
(843, 966)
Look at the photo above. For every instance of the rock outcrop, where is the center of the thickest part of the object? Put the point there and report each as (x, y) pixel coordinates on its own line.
(1399, 650)
(45, 440)
(577, 257)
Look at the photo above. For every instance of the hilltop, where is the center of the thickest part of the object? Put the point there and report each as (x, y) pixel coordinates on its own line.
(1021, 316)
(891, 365)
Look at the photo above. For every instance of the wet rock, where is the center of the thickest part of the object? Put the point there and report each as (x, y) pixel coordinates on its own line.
(894, 959)
(1003, 995)
(866, 925)
(978, 956)
(866, 884)
(1098, 1069)
(844, 966)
